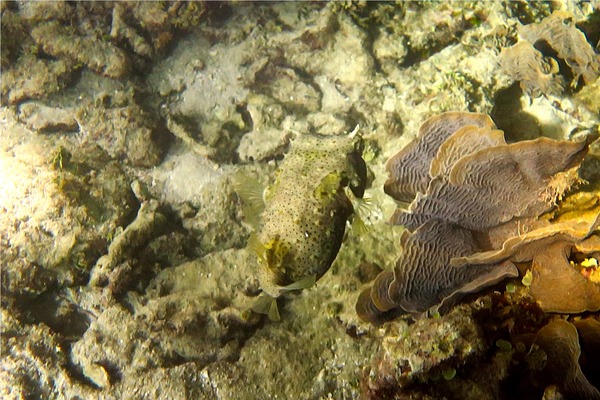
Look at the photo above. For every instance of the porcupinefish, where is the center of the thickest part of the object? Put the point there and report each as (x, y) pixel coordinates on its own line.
(304, 213)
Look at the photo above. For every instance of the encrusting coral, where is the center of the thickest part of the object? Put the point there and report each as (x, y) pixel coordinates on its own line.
(479, 213)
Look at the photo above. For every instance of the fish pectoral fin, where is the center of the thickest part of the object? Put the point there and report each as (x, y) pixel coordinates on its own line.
(251, 193)
(273, 313)
(304, 283)
(362, 210)
(358, 225)
(256, 246)
(266, 305)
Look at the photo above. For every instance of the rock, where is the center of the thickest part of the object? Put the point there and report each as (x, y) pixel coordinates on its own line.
(289, 89)
(389, 50)
(148, 223)
(262, 145)
(60, 208)
(412, 353)
(31, 78)
(202, 194)
(42, 118)
(46, 11)
(34, 363)
(124, 131)
(210, 98)
(99, 56)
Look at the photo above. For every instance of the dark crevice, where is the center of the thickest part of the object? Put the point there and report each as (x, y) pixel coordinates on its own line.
(60, 314)
(75, 372)
(508, 115)
(591, 28)
(416, 56)
(564, 70)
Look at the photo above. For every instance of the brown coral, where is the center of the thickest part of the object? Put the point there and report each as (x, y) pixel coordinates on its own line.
(552, 269)
(409, 169)
(474, 218)
(537, 74)
(560, 341)
(423, 278)
(465, 140)
(571, 45)
(497, 184)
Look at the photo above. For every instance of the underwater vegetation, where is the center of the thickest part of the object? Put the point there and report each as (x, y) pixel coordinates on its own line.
(539, 74)
(480, 206)
(301, 224)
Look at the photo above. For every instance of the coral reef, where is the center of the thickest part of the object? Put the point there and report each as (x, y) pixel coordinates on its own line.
(406, 359)
(123, 129)
(59, 38)
(55, 227)
(123, 243)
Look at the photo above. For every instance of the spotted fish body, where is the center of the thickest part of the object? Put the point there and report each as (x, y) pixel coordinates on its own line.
(306, 210)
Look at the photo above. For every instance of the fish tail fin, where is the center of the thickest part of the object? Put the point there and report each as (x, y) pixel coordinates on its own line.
(266, 305)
